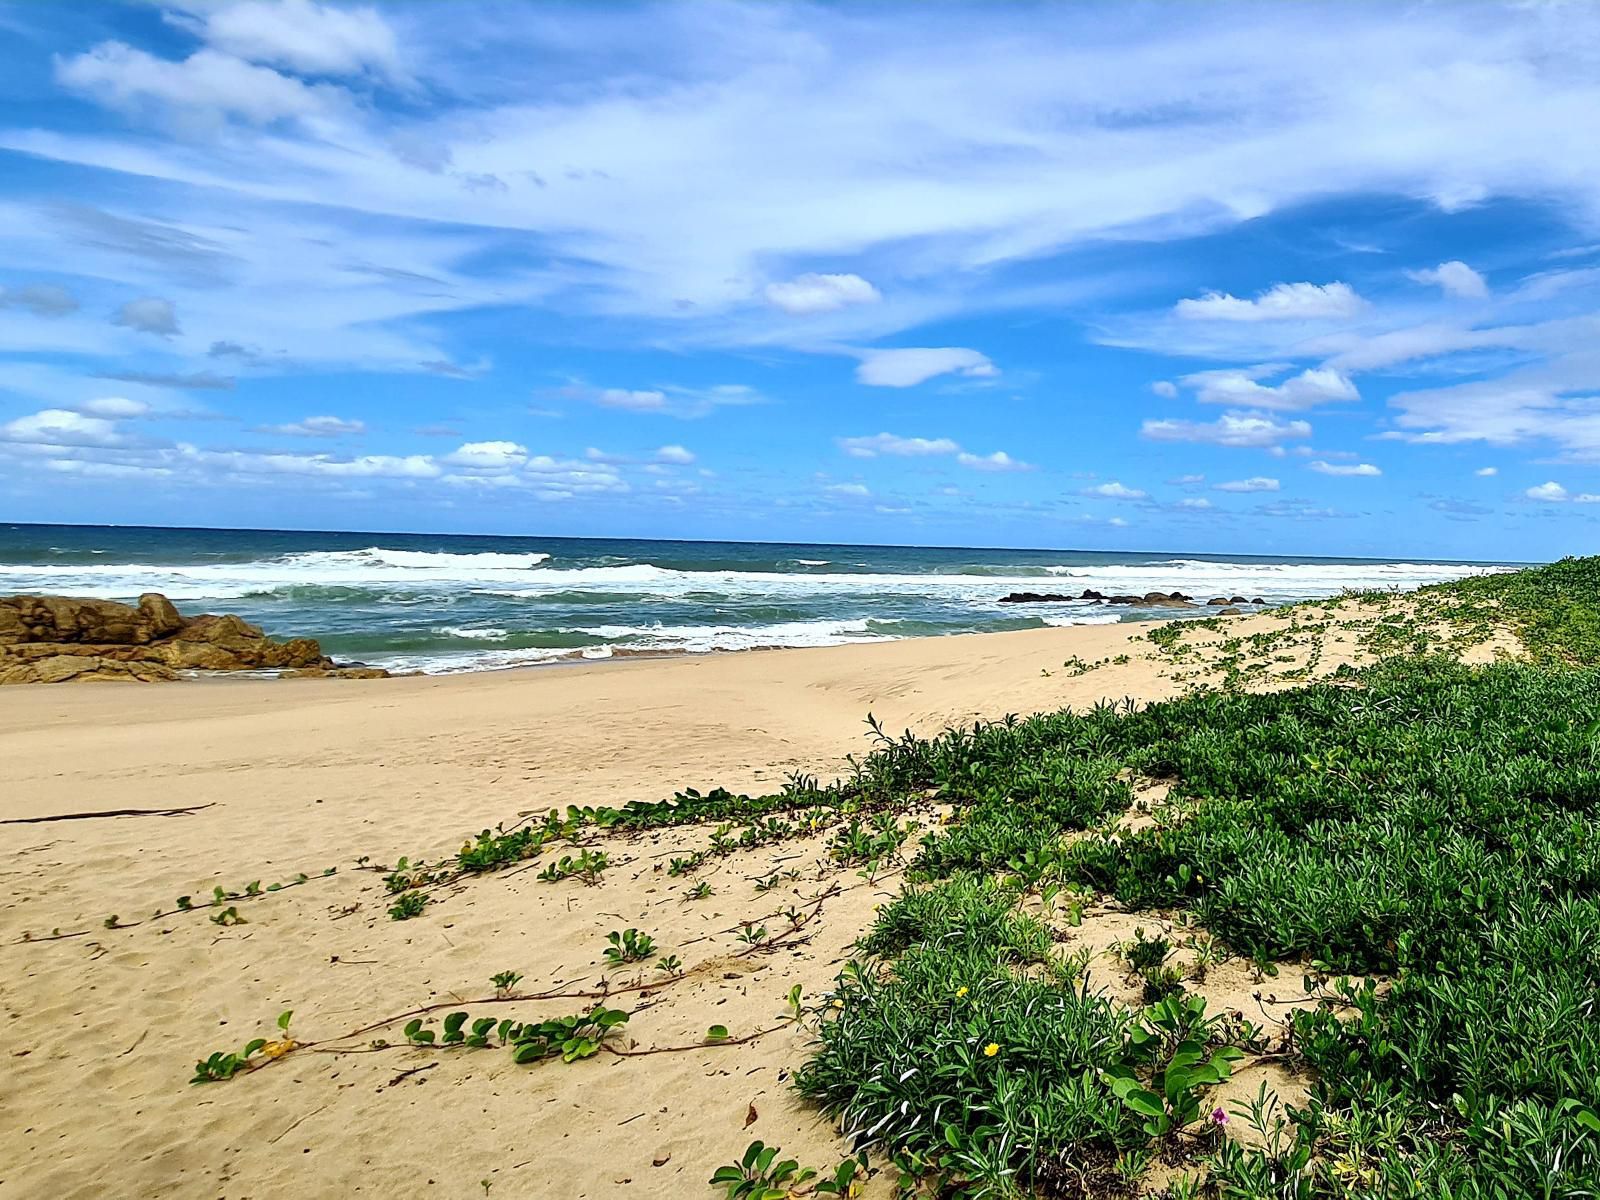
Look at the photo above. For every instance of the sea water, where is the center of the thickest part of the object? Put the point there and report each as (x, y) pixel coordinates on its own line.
(439, 603)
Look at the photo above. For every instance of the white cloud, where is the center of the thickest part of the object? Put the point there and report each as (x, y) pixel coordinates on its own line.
(1257, 430)
(1115, 491)
(633, 401)
(1194, 502)
(318, 427)
(148, 314)
(677, 455)
(59, 427)
(808, 294)
(1284, 302)
(1165, 388)
(668, 400)
(848, 489)
(893, 444)
(909, 367)
(998, 461)
(206, 85)
(678, 108)
(313, 39)
(1187, 480)
(488, 456)
(1240, 388)
(1327, 468)
(1554, 493)
(1487, 472)
(1256, 483)
(1455, 278)
(114, 407)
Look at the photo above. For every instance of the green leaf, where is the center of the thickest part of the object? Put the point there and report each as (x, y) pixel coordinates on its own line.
(1145, 1103)
(717, 1033)
(284, 1018)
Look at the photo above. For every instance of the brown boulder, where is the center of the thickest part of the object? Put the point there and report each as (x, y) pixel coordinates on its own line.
(230, 643)
(54, 639)
(26, 619)
(160, 613)
(67, 668)
(1230, 611)
(1217, 600)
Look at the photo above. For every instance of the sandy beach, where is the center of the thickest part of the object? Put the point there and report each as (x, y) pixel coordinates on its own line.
(303, 775)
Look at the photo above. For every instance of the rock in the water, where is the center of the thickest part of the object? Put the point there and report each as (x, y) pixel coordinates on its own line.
(1217, 600)
(1230, 611)
(1035, 598)
(1238, 600)
(1259, 602)
(1091, 594)
(55, 639)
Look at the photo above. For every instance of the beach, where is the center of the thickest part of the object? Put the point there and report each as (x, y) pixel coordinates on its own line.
(303, 775)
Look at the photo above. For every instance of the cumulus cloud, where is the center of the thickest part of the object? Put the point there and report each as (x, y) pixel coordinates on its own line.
(148, 314)
(1241, 388)
(909, 367)
(1239, 429)
(893, 444)
(998, 461)
(1455, 278)
(1327, 468)
(1194, 502)
(41, 299)
(488, 456)
(1165, 388)
(60, 427)
(309, 38)
(207, 84)
(1553, 493)
(1487, 472)
(318, 427)
(1256, 483)
(1283, 302)
(1115, 491)
(676, 455)
(807, 294)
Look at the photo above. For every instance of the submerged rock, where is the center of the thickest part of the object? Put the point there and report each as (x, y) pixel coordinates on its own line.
(56, 639)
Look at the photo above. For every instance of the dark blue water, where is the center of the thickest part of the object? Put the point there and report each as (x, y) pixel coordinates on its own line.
(441, 602)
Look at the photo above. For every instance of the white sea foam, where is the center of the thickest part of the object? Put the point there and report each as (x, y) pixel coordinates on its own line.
(528, 576)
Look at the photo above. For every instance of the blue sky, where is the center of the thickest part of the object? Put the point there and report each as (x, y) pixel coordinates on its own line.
(1249, 278)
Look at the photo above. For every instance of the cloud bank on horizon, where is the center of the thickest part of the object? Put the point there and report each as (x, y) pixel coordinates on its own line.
(1314, 279)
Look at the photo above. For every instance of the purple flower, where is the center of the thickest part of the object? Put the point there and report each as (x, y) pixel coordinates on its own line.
(1218, 1117)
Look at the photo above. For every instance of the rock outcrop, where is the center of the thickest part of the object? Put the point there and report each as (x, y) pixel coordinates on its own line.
(54, 639)
(1161, 599)
(1150, 599)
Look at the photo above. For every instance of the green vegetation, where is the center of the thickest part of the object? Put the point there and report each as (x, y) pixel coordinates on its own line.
(1430, 828)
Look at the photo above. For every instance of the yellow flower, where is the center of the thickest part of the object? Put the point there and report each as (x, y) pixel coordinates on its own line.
(279, 1049)
(991, 1049)
(838, 1003)
(960, 992)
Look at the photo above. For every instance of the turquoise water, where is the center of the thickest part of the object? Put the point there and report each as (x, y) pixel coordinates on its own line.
(438, 602)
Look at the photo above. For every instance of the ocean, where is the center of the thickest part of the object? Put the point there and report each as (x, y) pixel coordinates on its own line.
(442, 603)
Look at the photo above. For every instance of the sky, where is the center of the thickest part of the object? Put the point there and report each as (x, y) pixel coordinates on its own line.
(1237, 278)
